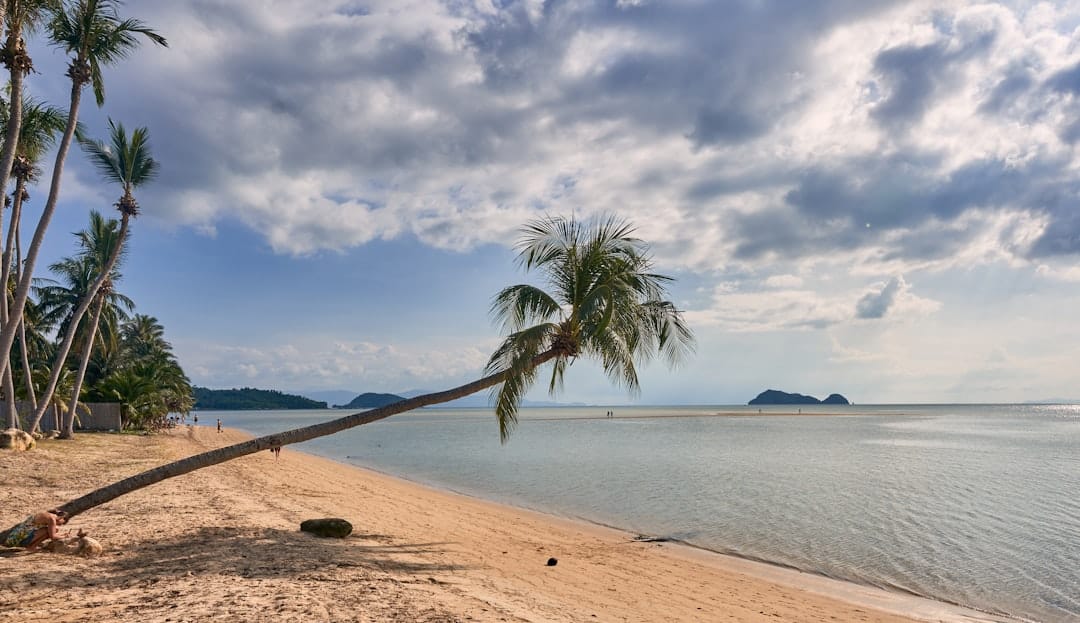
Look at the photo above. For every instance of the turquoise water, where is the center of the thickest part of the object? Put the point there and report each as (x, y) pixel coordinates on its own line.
(975, 505)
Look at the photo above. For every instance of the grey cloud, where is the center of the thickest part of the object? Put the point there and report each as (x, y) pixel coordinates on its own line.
(301, 99)
(916, 75)
(716, 80)
(342, 95)
(875, 305)
(727, 126)
(913, 73)
(1007, 91)
(1066, 80)
(1062, 90)
(1062, 237)
(903, 206)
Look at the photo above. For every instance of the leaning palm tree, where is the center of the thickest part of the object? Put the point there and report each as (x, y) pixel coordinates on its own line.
(605, 304)
(93, 33)
(129, 164)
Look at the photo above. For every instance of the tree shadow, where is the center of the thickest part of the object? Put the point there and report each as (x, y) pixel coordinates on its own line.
(251, 553)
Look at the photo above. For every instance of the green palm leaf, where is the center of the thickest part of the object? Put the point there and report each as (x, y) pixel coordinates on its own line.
(602, 302)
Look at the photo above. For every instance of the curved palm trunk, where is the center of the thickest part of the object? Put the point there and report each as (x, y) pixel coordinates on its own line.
(220, 455)
(84, 361)
(13, 228)
(9, 400)
(19, 65)
(5, 271)
(69, 337)
(31, 395)
(7, 336)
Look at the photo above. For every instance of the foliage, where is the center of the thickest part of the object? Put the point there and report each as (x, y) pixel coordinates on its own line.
(604, 303)
(249, 398)
(131, 363)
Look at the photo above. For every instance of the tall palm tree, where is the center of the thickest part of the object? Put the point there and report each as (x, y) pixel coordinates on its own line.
(129, 164)
(41, 124)
(88, 275)
(104, 246)
(21, 17)
(606, 304)
(92, 32)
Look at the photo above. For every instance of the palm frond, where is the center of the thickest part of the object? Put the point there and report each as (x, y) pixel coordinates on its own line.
(95, 35)
(515, 356)
(518, 306)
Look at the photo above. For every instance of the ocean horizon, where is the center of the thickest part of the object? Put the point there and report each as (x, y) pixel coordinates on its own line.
(974, 505)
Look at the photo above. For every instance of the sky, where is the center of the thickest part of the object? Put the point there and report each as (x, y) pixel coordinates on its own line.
(876, 198)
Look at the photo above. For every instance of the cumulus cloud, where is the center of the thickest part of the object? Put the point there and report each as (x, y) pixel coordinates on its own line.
(789, 303)
(849, 128)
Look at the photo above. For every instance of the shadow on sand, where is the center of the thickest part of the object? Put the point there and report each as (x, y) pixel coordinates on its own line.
(257, 554)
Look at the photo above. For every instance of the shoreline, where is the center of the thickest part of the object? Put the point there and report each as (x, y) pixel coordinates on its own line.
(892, 601)
(223, 542)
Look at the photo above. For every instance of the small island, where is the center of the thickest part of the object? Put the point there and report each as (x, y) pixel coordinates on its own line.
(369, 400)
(777, 397)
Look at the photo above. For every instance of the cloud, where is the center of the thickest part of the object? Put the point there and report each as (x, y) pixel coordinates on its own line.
(783, 281)
(876, 304)
(331, 364)
(790, 303)
(454, 122)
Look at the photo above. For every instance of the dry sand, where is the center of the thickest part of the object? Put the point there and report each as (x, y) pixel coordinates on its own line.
(222, 544)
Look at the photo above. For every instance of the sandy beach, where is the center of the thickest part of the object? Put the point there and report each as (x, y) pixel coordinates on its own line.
(223, 544)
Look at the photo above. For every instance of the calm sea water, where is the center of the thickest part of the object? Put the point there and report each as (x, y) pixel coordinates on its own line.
(975, 505)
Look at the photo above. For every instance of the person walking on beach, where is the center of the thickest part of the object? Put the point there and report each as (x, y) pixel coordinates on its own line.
(219, 425)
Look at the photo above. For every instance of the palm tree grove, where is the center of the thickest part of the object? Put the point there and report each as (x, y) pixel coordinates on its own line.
(68, 335)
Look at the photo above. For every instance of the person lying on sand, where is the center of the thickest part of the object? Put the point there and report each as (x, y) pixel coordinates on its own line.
(34, 530)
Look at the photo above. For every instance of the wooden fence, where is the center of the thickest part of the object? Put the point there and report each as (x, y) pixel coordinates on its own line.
(102, 416)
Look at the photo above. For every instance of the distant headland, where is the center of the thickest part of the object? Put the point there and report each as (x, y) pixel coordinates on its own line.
(777, 397)
(249, 398)
(370, 400)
